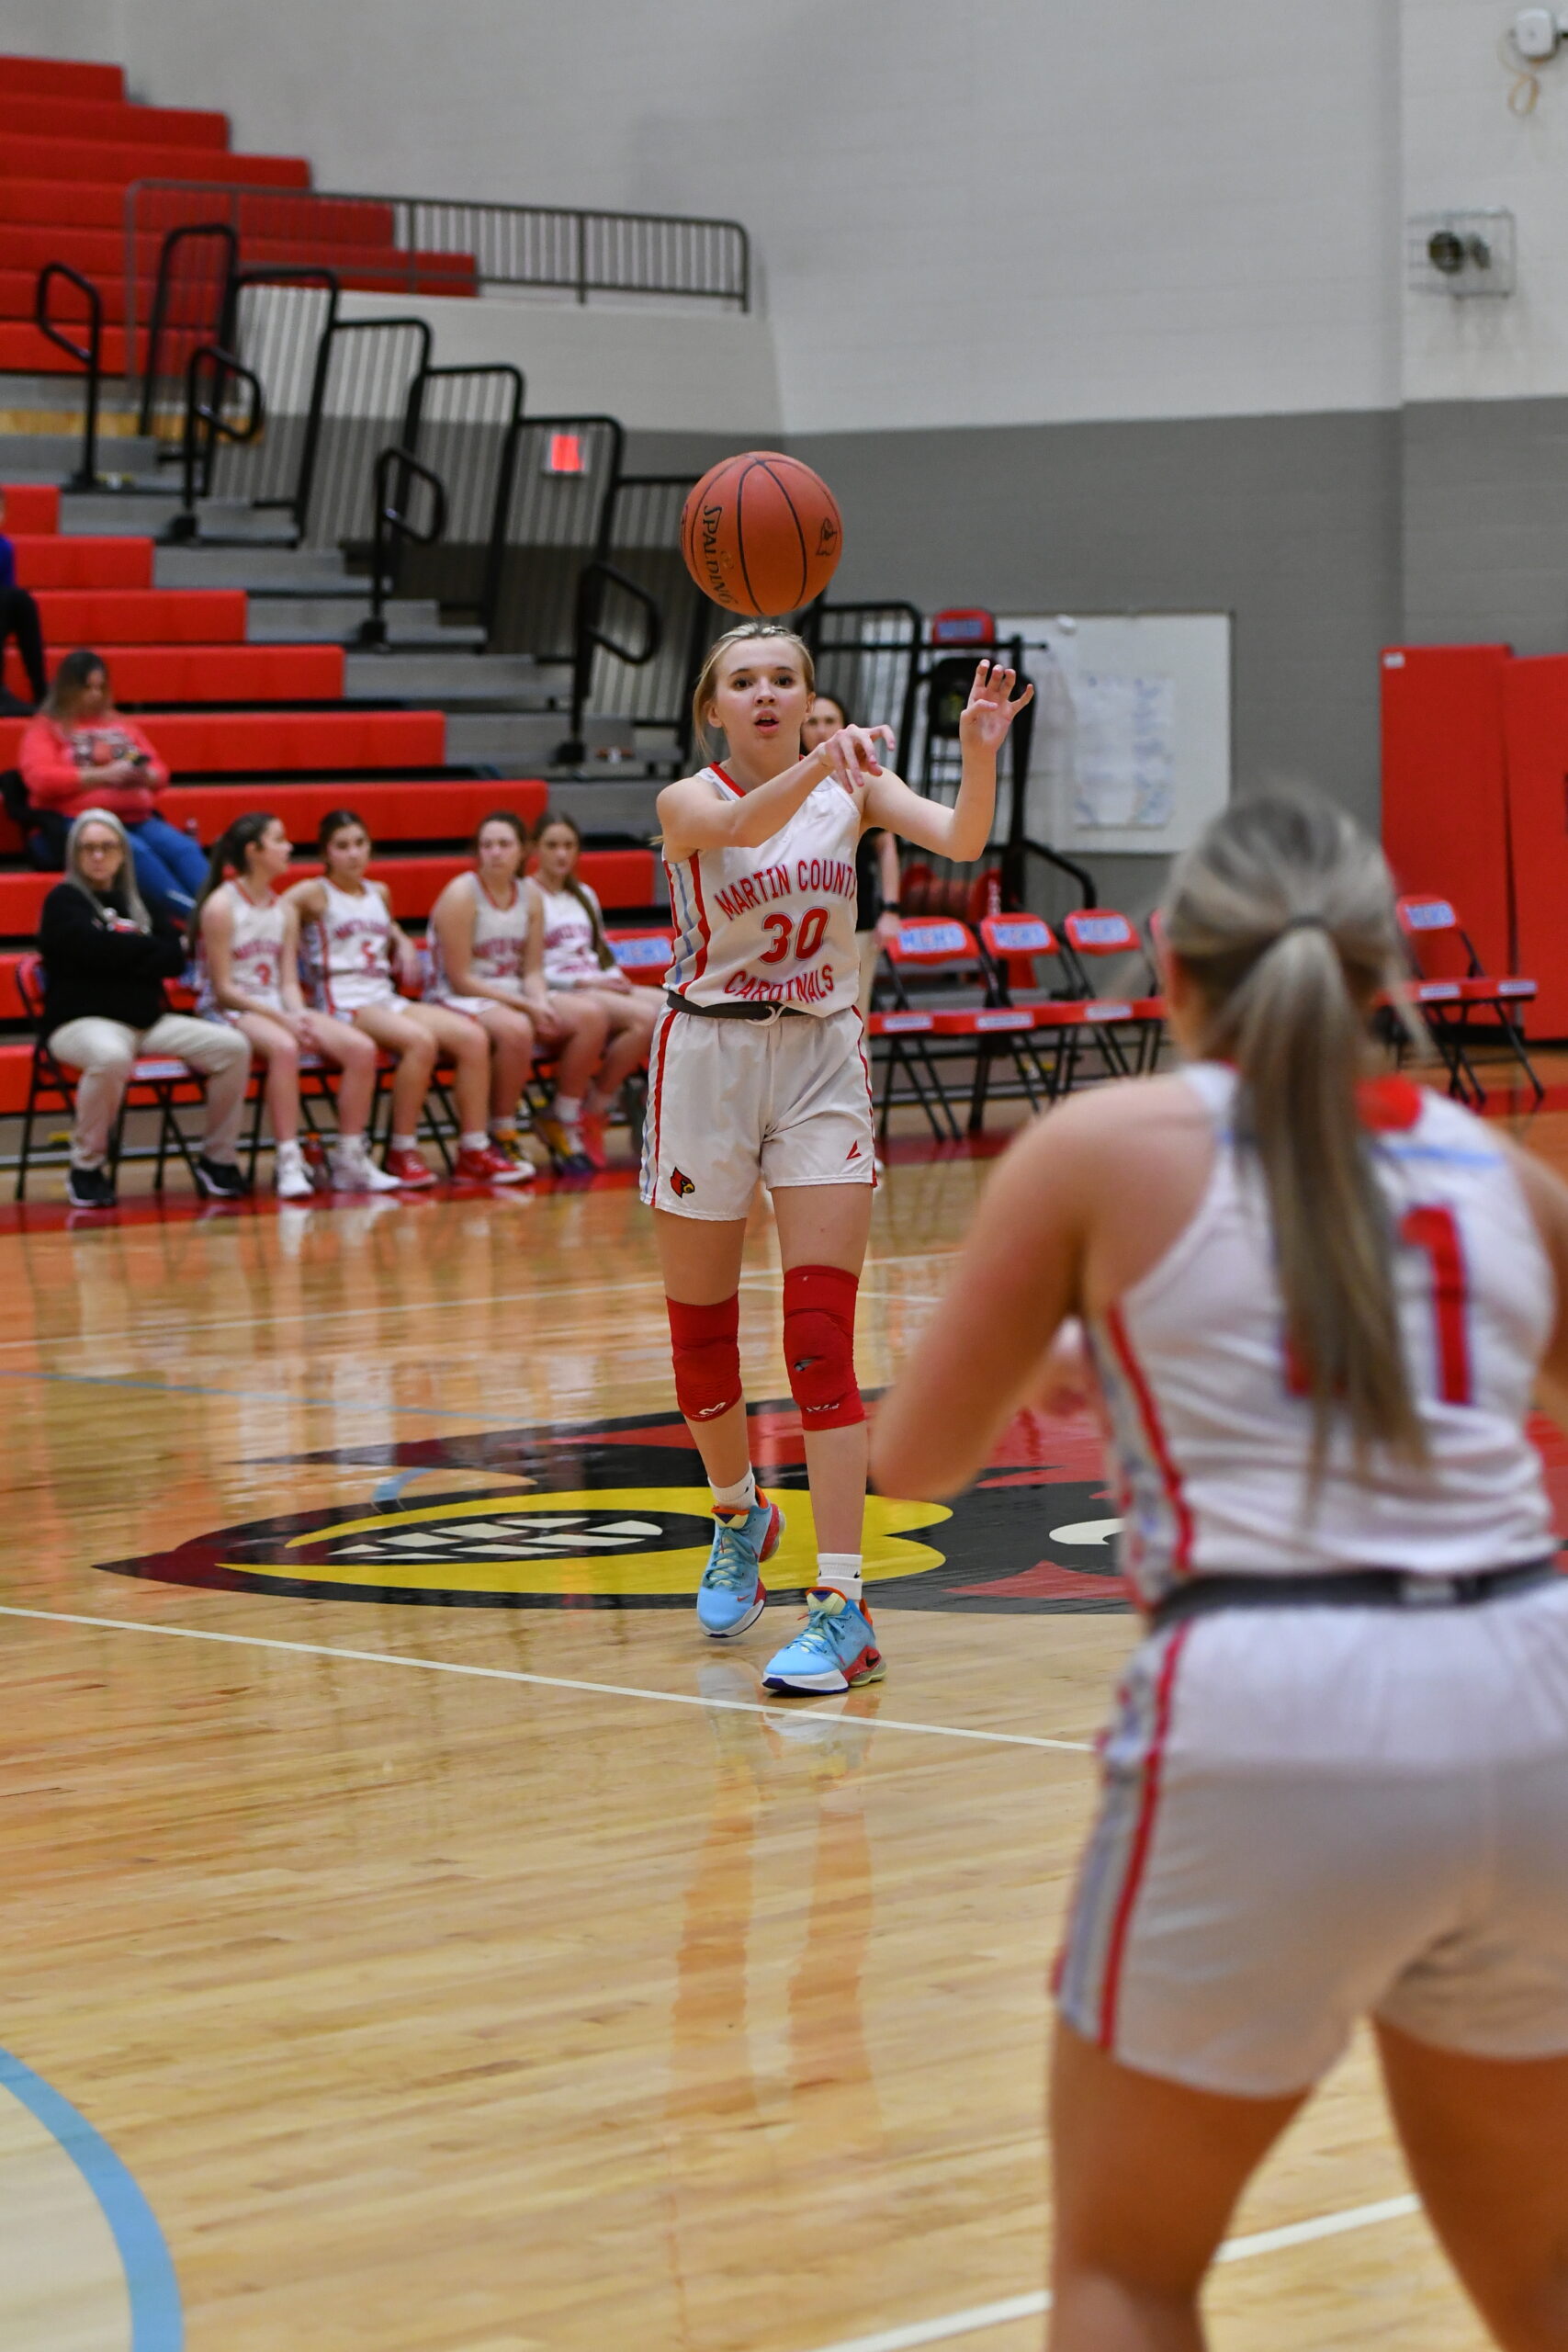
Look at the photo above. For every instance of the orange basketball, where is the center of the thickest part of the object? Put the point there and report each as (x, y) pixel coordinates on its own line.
(762, 534)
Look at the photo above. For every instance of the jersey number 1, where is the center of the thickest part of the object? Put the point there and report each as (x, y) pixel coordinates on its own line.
(1435, 1232)
(808, 937)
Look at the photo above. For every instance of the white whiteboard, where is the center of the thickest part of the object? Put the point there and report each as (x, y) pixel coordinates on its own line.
(1131, 749)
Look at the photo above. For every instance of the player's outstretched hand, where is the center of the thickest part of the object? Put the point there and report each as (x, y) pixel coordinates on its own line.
(852, 754)
(992, 708)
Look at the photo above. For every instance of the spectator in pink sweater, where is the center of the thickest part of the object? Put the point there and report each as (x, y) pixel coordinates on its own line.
(80, 753)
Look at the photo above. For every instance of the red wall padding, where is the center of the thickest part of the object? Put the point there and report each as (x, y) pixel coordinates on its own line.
(1444, 796)
(1535, 712)
(60, 77)
(166, 673)
(143, 615)
(83, 562)
(260, 743)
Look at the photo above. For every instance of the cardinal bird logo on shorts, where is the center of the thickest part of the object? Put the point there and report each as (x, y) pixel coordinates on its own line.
(680, 1185)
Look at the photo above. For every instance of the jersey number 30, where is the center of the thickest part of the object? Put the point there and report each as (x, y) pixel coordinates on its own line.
(809, 935)
(1435, 1232)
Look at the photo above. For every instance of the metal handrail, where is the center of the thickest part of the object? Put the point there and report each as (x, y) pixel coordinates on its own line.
(588, 638)
(569, 249)
(391, 522)
(206, 421)
(1079, 874)
(89, 356)
(158, 323)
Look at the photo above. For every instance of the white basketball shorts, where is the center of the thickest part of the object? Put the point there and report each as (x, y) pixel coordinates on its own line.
(1308, 1815)
(729, 1101)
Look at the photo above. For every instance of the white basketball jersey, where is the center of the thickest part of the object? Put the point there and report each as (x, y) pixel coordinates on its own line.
(351, 951)
(773, 926)
(256, 957)
(571, 958)
(1212, 1446)
(499, 936)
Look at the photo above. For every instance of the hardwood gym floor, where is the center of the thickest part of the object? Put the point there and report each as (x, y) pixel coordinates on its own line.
(489, 1967)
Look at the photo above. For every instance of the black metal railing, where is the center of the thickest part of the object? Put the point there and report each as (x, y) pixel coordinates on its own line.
(392, 525)
(416, 244)
(208, 421)
(563, 478)
(197, 261)
(88, 355)
(866, 657)
(364, 373)
(465, 423)
(642, 625)
(275, 320)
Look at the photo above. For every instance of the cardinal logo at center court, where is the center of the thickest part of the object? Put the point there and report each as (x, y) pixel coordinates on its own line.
(614, 1515)
(680, 1185)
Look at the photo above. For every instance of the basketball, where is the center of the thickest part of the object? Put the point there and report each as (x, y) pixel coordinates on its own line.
(762, 534)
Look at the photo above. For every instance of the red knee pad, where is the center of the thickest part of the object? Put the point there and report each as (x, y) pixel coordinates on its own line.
(820, 1346)
(706, 1343)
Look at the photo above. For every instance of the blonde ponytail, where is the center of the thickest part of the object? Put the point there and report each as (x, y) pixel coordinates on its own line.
(1283, 915)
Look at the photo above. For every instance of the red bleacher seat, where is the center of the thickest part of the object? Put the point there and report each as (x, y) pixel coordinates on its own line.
(267, 742)
(31, 508)
(118, 120)
(167, 673)
(52, 561)
(143, 615)
(61, 77)
(103, 163)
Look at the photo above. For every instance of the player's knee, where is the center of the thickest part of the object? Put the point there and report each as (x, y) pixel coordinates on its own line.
(820, 1346)
(705, 1344)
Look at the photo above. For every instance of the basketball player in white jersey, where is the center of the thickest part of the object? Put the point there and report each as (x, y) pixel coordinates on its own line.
(758, 1070)
(244, 938)
(1335, 1780)
(570, 967)
(352, 957)
(478, 930)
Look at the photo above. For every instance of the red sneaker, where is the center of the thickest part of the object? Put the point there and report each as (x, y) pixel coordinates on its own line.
(592, 1126)
(410, 1167)
(488, 1167)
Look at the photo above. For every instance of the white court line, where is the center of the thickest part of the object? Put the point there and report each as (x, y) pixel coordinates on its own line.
(987, 2315)
(541, 1681)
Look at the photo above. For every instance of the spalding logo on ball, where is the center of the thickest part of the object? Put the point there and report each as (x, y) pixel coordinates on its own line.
(762, 534)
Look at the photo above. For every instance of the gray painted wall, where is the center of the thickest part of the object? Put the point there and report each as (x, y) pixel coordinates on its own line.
(1486, 535)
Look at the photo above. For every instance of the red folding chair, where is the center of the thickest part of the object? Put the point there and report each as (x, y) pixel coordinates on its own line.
(964, 1022)
(1087, 934)
(1451, 1002)
(158, 1082)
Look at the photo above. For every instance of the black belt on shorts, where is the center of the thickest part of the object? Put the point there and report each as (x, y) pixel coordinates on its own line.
(733, 1012)
(1355, 1588)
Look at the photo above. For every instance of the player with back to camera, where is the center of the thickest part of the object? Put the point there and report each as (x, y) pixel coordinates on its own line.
(353, 956)
(757, 1070)
(569, 965)
(477, 934)
(1335, 1780)
(243, 937)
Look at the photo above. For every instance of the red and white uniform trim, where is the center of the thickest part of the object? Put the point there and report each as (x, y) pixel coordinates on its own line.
(255, 957)
(348, 954)
(773, 926)
(501, 934)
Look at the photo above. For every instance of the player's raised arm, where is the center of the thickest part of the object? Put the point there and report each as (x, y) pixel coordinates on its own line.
(961, 832)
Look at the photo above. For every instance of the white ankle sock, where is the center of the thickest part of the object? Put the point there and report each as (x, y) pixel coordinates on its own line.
(478, 1141)
(841, 1570)
(405, 1143)
(740, 1497)
(568, 1109)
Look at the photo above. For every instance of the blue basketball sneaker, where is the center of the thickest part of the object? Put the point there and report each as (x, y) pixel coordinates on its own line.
(836, 1647)
(732, 1594)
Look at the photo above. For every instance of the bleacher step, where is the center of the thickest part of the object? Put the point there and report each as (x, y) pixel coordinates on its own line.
(302, 572)
(315, 619)
(523, 740)
(461, 679)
